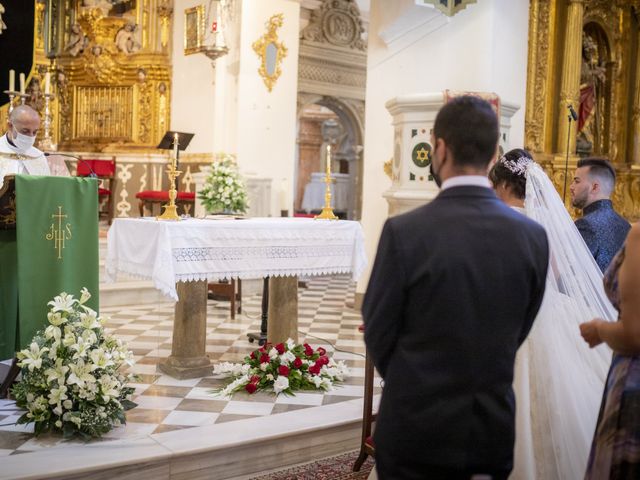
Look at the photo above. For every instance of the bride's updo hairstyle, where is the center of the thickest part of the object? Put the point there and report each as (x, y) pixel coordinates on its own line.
(510, 171)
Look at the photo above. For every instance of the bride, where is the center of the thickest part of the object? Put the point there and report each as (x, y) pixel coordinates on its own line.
(558, 380)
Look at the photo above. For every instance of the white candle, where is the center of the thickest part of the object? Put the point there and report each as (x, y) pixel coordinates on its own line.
(12, 80)
(328, 159)
(47, 83)
(175, 149)
(22, 89)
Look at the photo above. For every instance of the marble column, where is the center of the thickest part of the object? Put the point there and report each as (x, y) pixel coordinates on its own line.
(570, 81)
(188, 350)
(283, 309)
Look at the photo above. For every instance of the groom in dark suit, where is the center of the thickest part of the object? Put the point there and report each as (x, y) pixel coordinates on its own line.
(453, 293)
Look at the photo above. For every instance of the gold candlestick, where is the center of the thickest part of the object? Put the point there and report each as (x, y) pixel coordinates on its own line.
(327, 211)
(171, 210)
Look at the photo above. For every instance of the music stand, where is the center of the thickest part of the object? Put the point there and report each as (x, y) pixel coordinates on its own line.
(167, 142)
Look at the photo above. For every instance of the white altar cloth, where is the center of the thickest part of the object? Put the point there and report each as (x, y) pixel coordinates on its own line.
(202, 249)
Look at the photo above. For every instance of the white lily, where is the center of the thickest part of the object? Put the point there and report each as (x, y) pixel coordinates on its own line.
(81, 374)
(56, 319)
(62, 303)
(57, 395)
(69, 339)
(100, 358)
(290, 343)
(32, 357)
(58, 373)
(109, 387)
(273, 353)
(84, 295)
(89, 320)
(81, 348)
(89, 337)
(54, 332)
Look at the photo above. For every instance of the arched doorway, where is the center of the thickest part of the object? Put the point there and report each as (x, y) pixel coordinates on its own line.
(322, 121)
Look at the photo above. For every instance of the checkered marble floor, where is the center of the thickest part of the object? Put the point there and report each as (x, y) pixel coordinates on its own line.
(164, 403)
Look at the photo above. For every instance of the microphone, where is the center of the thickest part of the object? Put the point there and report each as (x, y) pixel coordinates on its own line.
(573, 113)
(92, 173)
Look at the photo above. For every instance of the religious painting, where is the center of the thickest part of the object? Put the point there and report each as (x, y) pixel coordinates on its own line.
(193, 29)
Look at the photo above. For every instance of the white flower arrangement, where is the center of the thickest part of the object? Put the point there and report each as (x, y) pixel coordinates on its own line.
(223, 190)
(70, 373)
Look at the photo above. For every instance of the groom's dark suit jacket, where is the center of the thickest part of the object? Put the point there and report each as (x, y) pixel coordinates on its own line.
(454, 290)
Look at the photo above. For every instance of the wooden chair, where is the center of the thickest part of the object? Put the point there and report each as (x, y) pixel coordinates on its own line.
(367, 446)
(149, 198)
(231, 289)
(105, 171)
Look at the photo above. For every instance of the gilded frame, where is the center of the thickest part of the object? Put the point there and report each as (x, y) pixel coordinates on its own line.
(261, 47)
(194, 30)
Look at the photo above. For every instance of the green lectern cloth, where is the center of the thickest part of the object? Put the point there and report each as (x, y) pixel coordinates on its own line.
(56, 246)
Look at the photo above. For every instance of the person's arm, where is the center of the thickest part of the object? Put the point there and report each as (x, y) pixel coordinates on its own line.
(384, 301)
(622, 336)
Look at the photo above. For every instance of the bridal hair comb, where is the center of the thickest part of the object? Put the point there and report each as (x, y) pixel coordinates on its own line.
(517, 166)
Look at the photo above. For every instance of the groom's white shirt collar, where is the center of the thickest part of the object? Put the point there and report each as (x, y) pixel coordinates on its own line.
(466, 180)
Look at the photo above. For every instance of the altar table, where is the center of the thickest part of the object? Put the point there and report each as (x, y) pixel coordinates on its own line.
(181, 257)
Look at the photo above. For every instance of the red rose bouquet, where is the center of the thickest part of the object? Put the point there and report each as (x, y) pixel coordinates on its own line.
(282, 368)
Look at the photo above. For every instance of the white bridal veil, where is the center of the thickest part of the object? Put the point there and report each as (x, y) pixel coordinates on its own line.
(566, 377)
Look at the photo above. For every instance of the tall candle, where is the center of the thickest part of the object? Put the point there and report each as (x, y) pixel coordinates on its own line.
(12, 80)
(175, 149)
(47, 83)
(22, 90)
(328, 159)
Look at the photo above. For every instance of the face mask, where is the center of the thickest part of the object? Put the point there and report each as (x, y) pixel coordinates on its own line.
(434, 174)
(23, 142)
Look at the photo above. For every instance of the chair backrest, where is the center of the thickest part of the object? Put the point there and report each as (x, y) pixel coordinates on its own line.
(103, 168)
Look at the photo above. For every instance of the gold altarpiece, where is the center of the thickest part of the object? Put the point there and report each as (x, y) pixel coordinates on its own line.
(585, 53)
(110, 65)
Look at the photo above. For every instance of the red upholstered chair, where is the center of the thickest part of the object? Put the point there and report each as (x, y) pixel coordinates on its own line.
(148, 198)
(105, 170)
(367, 446)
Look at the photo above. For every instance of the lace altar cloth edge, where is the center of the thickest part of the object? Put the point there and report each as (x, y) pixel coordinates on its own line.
(199, 249)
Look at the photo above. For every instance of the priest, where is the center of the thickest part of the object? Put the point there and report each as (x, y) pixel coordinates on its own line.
(17, 153)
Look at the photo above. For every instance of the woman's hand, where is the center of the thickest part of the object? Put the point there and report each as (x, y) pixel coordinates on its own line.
(591, 333)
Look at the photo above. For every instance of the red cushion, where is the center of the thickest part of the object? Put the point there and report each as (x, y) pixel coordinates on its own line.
(164, 196)
(103, 191)
(102, 168)
(304, 215)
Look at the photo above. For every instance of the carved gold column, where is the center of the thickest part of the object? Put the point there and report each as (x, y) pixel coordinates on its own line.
(635, 118)
(570, 85)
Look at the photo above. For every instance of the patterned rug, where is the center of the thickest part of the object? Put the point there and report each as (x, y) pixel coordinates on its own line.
(330, 468)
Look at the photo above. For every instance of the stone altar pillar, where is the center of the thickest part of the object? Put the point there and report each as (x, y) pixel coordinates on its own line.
(188, 351)
(283, 309)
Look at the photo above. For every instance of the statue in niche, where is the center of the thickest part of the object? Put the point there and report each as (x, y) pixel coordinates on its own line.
(78, 41)
(3, 26)
(126, 39)
(592, 88)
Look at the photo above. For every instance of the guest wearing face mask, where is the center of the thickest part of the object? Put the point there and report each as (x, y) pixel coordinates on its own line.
(17, 153)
